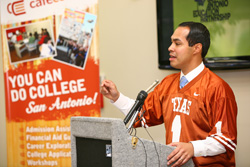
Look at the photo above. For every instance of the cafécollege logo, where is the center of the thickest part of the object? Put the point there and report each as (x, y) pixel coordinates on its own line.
(209, 10)
(21, 7)
(16, 8)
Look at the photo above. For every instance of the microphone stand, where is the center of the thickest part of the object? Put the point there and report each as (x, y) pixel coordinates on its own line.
(133, 119)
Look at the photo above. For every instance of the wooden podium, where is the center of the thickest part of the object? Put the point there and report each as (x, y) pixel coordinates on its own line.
(105, 142)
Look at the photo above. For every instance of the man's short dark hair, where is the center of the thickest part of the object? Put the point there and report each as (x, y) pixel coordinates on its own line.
(198, 34)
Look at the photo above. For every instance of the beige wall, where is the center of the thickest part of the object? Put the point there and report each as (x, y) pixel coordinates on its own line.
(3, 154)
(128, 56)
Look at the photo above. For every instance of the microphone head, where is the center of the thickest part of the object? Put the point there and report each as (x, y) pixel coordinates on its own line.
(142, 96)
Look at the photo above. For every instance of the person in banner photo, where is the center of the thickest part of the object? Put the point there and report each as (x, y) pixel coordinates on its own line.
(47, 49)
(199, 113)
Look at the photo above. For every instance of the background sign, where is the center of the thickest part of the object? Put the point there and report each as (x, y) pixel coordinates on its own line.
(51, 72)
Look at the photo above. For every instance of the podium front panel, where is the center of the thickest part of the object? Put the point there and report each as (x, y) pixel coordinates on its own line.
(93, 152)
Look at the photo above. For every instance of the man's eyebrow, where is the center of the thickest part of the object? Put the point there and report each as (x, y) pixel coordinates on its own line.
(175, 39)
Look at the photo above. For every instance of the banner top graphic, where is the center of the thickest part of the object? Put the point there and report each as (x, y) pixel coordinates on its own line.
(22, 10)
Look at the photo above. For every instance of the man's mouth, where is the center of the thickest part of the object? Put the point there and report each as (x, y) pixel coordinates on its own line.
(172, 57)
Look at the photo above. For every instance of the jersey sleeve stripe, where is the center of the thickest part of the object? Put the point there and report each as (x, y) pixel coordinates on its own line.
(228, 140)
(225, 143)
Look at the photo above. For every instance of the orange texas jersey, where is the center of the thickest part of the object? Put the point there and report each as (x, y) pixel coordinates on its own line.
(205, 107)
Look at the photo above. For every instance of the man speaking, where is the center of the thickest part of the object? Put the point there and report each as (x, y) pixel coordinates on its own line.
(197, 107)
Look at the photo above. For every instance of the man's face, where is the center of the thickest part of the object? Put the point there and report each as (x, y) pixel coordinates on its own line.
(181, 54)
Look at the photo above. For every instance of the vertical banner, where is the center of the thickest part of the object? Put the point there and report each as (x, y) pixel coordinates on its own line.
(51, 72)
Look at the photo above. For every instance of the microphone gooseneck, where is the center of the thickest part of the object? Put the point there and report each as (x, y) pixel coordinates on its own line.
(153, 85)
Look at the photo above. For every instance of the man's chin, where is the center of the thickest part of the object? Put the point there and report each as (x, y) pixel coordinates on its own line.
(173, 65)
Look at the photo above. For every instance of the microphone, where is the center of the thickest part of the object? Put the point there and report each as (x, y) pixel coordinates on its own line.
(139, 102)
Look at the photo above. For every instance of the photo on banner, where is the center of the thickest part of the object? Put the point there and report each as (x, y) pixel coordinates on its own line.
(74, 39)
(30, 41)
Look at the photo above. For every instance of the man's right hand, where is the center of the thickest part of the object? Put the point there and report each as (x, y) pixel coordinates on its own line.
(109, 90)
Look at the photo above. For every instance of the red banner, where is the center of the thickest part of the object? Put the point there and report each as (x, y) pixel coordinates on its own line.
(48, 81)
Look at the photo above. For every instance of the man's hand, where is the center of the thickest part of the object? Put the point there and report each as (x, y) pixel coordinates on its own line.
(181, 154)
(109, 90)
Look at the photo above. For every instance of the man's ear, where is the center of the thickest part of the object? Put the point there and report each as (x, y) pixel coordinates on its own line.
(198, 48)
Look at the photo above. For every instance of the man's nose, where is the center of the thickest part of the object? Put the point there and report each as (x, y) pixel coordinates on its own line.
(170, 48)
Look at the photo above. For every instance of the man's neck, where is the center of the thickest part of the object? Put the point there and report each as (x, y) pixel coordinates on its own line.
(196, 71)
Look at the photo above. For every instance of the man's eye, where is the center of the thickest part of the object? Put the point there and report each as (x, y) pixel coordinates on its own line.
(177, 43)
